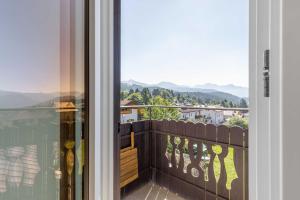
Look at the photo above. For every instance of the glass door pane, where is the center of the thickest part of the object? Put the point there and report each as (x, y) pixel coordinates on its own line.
(184, 99)
(42, 99)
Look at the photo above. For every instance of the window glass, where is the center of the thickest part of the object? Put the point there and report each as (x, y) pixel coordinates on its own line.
(42, 99)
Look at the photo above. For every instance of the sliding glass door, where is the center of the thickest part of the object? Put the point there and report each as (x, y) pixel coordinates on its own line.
(43, 118)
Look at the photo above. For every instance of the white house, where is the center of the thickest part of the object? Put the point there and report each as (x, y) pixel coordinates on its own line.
(213, 116)
(189, 114)
(228, 114)
(128, 114)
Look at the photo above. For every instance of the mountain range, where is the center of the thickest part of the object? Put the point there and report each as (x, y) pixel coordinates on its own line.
(233, 93)
(18, 100)
(239, 91)
(10, 99)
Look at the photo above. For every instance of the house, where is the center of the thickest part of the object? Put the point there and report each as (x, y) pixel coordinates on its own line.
(189, 114)
(128, 114)
(213, 116)
(228, 114)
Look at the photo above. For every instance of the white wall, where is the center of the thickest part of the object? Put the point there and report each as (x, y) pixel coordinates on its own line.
(133, 116)
(291, 99)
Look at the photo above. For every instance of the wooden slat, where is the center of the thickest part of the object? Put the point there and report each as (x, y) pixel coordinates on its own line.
(127, 159)
(128, 153)
(222, 190)
(125, 167)
(127, 181)
(211, 132)
(129, 172)
(246, 138)
(195, 130)
(237, 185)
(156, 125)
(236, 136)
(125, 129)
(141, 126)
(211, 184)
(195, 161)
(223, 134)
(128, 163)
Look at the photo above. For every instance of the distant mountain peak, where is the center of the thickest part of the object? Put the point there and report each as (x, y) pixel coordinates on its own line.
(170, 84)
(133, 82)
(229, 88)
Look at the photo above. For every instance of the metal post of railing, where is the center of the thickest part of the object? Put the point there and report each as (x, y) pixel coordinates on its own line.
(215, 117)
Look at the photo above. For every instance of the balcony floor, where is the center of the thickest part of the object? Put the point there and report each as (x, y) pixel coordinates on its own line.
(151, 191)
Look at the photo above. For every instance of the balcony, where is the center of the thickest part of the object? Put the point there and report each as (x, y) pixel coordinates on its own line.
(186, 160)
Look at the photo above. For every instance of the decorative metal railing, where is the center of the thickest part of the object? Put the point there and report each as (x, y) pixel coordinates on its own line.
(207, 115)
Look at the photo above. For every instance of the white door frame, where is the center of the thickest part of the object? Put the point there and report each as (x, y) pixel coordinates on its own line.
(265, 159)
(101, 170)
(265, 138)
(259, 143)
(276, 130)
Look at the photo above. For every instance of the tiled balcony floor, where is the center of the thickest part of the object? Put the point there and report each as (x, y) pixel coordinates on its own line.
(151, 191)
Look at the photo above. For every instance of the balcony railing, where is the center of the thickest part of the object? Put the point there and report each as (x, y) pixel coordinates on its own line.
(194, 160)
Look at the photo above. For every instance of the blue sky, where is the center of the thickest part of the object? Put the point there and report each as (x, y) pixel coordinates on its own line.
(186, 42)
(183, 41)
(30, 52)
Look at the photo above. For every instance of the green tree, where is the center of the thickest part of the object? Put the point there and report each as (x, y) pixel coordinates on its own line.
(194, 101)
(124, 95)
(200, 102)
(156, 92)
(131, 91)
(136, 97)
(243, 103)
(146, 96)
(165, 94)
(238, 121)
(224, 103)
(161, 113)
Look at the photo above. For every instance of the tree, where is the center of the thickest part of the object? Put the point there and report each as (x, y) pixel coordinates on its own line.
(238, 121)
(124, 95)
(136, 97)
(161, 113)
(137, 90)
(156, 92)
(243, 103)
(194, 101)
(131, 91)
(224, 103)
(146, 96)
(200, 102)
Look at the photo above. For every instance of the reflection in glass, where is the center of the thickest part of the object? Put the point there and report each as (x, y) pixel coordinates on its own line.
(42, 100)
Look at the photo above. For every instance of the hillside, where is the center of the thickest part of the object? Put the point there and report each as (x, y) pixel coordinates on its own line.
(184, 95)
(20, 100)
(213, 96)
(238, 91)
